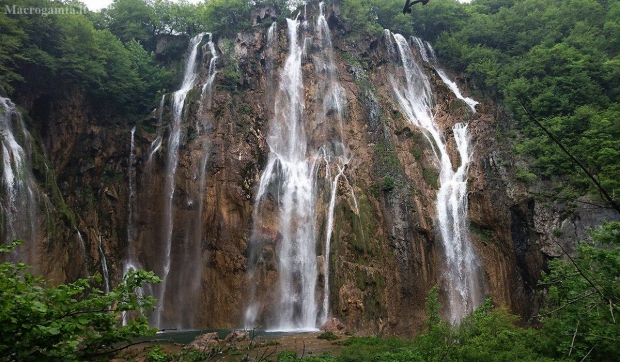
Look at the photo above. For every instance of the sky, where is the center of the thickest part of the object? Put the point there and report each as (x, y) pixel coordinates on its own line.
(95, 5)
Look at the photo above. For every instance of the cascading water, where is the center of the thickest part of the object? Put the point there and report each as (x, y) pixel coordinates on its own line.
(290, 178)
(207, 88)
(332, 104)
(462, 276)
(293, 173)
(188, 276)
(131, 262)
(156, 144)
(104, 267)
(132, 190)
(19, 196)
(85, 257)
(422, 46)
(172, 160)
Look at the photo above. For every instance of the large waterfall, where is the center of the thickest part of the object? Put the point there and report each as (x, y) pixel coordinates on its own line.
(19, 195)
(172, 160)
(461, 279)
(301, 142)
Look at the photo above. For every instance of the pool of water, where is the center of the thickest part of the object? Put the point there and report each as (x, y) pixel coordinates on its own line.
(187, 336)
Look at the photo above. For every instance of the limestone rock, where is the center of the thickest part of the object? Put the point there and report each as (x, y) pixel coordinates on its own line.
(237, 336)
(205, 342)
(334, 325)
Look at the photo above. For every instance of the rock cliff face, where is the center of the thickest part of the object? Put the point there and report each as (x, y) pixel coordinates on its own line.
(221, 265)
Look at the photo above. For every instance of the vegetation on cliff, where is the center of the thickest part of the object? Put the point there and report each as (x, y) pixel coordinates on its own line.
(561, 57)
(578, 321)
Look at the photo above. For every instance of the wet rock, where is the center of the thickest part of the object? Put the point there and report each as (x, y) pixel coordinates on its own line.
(237, 336)
(266, 13)
(334, 325)
(205, 342)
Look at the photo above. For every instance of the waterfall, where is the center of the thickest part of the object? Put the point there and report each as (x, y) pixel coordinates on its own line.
(104, 267)
(462, 274)
(130, 263)
(207, 88)
(132, 190)
(293, 171)
(82, 245)
(156, 144)
(290, 179)
(188, 277)
(172, 160)
(422, 46)
(328, 237)
(19, 195)
(333, 105)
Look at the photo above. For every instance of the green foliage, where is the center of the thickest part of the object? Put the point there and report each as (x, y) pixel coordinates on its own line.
(438, 16)
(157, 355)
(361, 17)
(580, 311)
(11, 38)
(131, 20)
(524, 175)
(330, 336)
(69, 322)
(362, 349)
(225, 18)
(490, 334)
(388, 183)
(230, 74)
(431, 176)
(70, 51)
(561, 57)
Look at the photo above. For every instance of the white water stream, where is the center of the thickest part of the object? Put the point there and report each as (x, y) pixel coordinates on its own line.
(290, 175)
(462, 274)
(172, 160)
(19, 195)
(432, 60)
(104, 267)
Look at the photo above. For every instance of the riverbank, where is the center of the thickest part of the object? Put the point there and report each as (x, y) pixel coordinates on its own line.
(259, 346)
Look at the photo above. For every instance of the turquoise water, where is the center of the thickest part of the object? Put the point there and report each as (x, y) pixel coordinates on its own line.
(187, 336)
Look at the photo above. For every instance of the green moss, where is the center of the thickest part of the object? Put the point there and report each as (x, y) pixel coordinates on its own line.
(47, 180)
(431, 177)
(524, 175)
(417, 154)
(388, 160)
(245, 109)
(149, 129)
(483, 233)
(388, 183)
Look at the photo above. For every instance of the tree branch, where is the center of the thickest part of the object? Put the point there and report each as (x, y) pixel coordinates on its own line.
(597, 184)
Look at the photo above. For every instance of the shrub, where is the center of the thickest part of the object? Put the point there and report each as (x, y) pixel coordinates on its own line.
(69, 322)
(330, 336)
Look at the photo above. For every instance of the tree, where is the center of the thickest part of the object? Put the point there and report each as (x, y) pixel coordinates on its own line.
(225, 18)
(581, 314)
(11, 37)
(132, 19)
(70, 322)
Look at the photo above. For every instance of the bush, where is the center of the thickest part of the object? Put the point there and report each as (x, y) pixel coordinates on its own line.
(330, 336)
(69, 322)
(388, 183)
